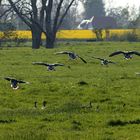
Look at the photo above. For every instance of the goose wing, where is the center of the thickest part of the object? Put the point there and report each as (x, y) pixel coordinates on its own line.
(20, 81)
(111, 62)
(9, 78)
(134, 52)
(57, 64)
(116, 53)
(40, 63)
(82, 59)
(63, 52)
(98, 58)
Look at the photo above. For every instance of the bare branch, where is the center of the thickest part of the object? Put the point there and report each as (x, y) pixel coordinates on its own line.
(42, 12)
(57, 15)
(19, 13)
(64, 14)
(34, 8)
(6, 11)
(48, 14)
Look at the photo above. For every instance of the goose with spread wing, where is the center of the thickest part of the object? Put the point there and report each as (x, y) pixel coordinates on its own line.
(71, 55)
(104, 61)
(15, 82)
(127, 54)
(49, 66)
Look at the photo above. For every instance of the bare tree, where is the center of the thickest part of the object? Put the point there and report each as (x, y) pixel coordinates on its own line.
(32, 16)
(6, 25)
(121, 14)
(46, 18)
(71, 19)
(2, 10)
(53, 23)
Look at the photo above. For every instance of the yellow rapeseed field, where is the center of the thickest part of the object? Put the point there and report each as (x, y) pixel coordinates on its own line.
(75, 34)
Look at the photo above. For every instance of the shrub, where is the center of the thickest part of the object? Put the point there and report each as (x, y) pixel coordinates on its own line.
(130, 36)
(99, 34)
(8, 36)
(114, 37)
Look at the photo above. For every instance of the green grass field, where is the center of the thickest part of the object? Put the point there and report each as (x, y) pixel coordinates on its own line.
(114, 92)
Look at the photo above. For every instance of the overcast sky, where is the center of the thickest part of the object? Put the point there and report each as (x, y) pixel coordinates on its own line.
(116, 3)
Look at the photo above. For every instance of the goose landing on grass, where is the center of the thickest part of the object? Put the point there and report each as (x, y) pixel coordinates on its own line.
(71, 55)
(127, 54)
(15, 82)
(49, 66)
(104, 61)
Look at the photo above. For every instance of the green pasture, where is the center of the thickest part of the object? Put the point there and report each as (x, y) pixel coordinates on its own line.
(114, 92)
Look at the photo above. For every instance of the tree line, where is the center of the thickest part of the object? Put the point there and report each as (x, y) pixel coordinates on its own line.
(41, 16)
(48, 16)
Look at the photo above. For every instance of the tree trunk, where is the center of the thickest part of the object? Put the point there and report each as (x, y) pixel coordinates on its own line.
(50, 40)
(36, 38)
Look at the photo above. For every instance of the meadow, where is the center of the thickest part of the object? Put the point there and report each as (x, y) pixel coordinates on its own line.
(114, 92)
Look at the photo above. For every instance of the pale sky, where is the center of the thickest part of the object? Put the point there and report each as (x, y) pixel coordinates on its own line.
(116, 3)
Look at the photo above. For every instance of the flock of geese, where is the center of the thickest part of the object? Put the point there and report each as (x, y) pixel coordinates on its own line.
(51, 67)
(72, 56)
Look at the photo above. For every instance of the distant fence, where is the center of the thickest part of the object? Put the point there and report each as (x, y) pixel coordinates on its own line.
(78, 34)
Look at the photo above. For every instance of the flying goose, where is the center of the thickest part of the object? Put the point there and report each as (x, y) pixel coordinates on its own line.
(44, 105)
(104, 61)
(71, 55)
(49, 66)
(15, 82)
(127, 54)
